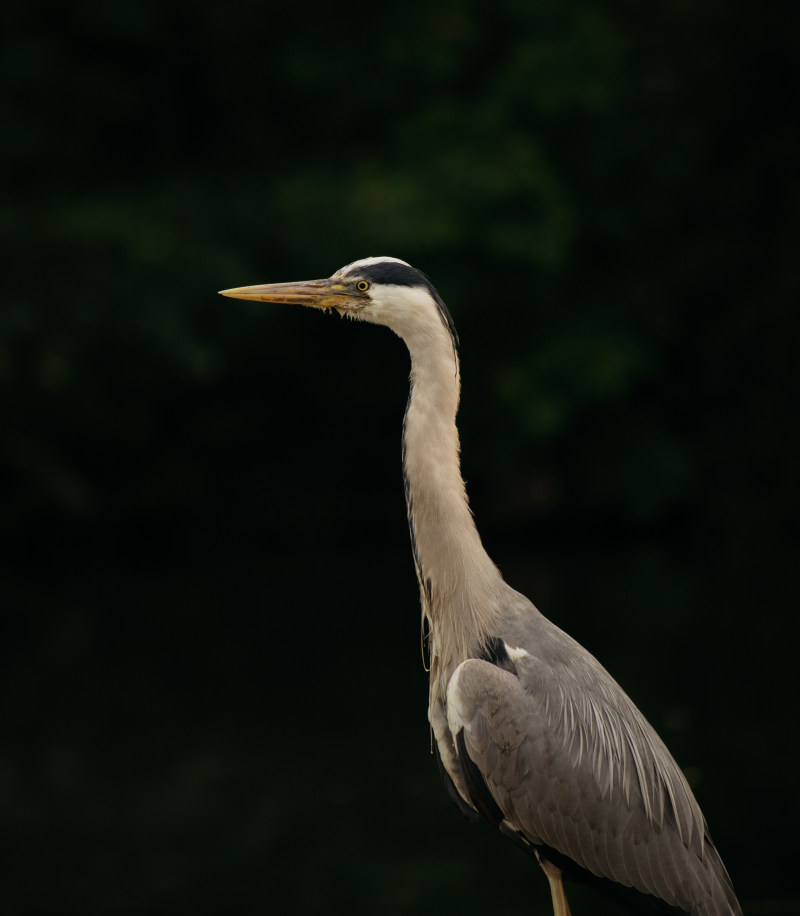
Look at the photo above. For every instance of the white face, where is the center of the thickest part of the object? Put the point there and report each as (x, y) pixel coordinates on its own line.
(397, 298)
(404, 309)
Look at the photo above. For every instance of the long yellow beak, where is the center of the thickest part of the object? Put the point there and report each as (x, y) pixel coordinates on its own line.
(319, 294)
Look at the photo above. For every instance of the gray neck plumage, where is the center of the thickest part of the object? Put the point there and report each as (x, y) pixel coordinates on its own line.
(459, 584)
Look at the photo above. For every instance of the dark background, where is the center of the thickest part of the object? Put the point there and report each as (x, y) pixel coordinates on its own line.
(214, 698)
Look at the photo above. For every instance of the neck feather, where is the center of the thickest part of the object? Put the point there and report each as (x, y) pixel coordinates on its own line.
(459, 584)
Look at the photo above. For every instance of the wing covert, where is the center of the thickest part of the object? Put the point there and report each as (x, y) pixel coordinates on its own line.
(582, 772)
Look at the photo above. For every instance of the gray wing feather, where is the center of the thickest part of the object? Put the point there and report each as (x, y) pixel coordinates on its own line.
(573, 765)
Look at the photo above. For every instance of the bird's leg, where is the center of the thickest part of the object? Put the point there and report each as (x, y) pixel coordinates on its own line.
(560, 905)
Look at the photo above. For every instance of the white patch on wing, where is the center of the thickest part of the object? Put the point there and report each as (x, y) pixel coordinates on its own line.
(456, 713)
(515, 653)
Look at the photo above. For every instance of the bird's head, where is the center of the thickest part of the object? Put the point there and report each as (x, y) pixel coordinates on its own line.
(379, 290)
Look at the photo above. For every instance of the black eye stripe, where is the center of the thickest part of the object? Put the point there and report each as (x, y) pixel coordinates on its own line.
(392, 273)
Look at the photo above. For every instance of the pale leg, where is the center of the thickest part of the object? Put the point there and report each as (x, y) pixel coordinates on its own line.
(560, 905)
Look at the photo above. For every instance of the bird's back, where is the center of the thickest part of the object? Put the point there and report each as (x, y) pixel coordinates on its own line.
(539, 738)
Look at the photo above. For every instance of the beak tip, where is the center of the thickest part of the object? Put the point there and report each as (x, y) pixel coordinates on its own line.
(237, 292)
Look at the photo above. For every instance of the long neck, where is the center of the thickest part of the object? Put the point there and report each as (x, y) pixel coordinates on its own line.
(459, 584)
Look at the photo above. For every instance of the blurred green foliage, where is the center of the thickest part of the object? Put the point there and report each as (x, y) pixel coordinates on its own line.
(606, 195)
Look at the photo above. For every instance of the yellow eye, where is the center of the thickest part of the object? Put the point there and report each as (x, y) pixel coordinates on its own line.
(362, 285)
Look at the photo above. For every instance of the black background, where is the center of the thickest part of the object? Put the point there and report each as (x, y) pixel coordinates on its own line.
(214, 698)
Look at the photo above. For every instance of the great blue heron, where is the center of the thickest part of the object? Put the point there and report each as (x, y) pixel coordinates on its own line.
(532, 734)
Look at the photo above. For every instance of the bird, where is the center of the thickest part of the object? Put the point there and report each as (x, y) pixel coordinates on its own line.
(531, 734)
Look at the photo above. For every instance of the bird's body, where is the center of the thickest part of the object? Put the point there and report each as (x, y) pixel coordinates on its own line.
(532, 734)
